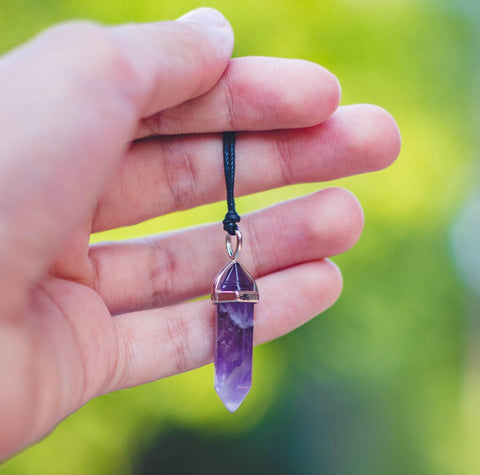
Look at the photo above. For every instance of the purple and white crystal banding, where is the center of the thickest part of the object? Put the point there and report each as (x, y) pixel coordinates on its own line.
(234, 341)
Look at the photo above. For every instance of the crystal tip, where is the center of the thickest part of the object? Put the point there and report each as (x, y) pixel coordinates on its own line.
(232, 403)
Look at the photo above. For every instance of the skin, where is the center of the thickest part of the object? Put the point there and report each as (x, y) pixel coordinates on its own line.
(78, 321)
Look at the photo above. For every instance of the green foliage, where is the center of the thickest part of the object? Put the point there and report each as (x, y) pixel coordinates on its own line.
(375, 385)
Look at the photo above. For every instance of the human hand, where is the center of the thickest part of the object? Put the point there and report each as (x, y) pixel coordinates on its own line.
(74, 100)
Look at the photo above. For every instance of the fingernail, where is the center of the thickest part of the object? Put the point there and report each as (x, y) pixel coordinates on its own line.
(205, 16)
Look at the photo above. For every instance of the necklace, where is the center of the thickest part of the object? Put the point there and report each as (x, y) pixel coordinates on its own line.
(234, 292)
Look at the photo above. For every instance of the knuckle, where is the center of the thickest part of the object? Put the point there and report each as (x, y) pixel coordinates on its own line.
(283, 150)
(106, 58)
(180, 175)
(94, 53)
(177, 333)
(162, 273)
(118, 373)
(231, 100)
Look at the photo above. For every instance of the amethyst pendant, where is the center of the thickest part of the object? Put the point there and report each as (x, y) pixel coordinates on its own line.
(235, 293)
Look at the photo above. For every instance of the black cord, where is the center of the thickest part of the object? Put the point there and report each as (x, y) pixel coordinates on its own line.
(232, 217)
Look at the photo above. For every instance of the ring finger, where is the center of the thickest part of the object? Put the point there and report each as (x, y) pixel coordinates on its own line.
(167, 269)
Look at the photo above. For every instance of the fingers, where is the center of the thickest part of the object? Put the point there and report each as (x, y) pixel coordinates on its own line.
(162, 342)
(164, 175)
(62, 132)
(254, 93)
(168, 269)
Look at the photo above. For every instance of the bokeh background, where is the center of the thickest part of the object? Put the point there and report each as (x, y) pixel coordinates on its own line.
(388, 380)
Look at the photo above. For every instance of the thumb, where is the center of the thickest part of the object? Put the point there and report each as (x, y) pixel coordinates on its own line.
(71, 101)
(180, 60)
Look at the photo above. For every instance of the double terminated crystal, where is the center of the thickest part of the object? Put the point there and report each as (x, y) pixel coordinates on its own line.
(234, 334)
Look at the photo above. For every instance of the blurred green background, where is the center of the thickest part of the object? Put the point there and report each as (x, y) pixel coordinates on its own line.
(384, 382)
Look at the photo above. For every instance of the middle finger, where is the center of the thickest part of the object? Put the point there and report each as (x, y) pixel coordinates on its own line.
(159, 176)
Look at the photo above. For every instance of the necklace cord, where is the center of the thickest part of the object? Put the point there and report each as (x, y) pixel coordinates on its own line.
(232, 217)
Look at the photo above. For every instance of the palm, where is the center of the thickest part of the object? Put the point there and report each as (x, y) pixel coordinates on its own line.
(77, 339)
(75, 344)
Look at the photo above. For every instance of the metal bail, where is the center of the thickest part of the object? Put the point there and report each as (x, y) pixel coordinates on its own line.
(234, 254)
(234, 295)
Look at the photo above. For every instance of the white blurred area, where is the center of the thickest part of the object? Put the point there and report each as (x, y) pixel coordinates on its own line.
(466, 243)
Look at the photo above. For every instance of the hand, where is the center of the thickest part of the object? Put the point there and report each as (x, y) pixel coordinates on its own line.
(74, 102)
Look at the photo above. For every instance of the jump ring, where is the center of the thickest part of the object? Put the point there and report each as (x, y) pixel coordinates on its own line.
(238, 247)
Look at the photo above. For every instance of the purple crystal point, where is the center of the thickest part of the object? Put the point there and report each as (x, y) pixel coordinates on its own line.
(234, 340)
